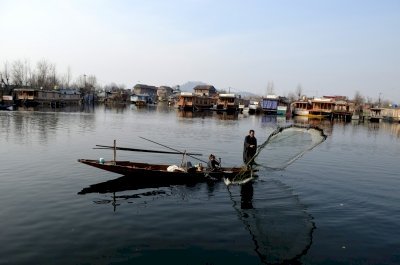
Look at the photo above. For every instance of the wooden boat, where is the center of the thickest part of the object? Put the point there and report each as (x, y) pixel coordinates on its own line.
(166, 173)
(161, 173)
(228, 102)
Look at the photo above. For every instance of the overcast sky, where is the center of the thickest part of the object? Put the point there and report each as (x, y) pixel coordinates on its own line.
(330, 47)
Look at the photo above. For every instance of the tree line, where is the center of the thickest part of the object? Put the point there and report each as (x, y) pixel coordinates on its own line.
(44, 75)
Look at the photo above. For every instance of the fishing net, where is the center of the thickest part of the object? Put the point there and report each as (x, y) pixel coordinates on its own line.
(282, 147)
(277, 221)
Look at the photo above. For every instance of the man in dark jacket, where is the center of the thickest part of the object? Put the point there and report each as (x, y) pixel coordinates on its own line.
(249, 148)
(212, 164)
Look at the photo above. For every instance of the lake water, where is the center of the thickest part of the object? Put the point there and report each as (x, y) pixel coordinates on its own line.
(339, 203)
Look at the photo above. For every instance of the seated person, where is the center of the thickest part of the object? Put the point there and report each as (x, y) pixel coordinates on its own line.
(212, 164)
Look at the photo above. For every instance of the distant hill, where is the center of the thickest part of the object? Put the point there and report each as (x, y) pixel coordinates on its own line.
(245, 94)
(188, 86)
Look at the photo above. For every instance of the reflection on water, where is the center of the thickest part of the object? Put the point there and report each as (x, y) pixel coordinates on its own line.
(194, 114)
(31, 125)
(221, 115)
(325, 124)
(278, 238)
(268, 119)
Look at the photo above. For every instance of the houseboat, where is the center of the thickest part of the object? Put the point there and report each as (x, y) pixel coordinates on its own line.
(375, 114)
(283, 106)
(244, 105)
(141, 99)
(301, 107)
(55, 98)
(7, 103)
(269, 104)
(185, 101)
(391, 114)
(164, 93)
(254, 107)
(144, 94)
(228, 102)
(205, 97)
(343, 109)
(321, 107)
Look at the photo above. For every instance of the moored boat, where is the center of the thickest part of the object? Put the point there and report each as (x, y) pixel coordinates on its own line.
(269, 104)
(301, 108)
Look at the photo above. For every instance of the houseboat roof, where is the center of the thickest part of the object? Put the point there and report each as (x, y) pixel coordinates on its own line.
(227, 95)
(187, 94)
(25, 89)
(327, 100)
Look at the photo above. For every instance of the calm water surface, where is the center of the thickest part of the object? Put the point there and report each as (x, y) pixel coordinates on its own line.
(337, 204)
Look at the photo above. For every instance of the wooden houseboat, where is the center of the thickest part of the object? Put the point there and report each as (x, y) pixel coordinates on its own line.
(375, 114)
(205, 97)
(185, 101)
(343, 109)
(33, 97)
(391, 114)
(228, 102)
(7, 102)
(301, 107)
(321, 107)
(164, 93)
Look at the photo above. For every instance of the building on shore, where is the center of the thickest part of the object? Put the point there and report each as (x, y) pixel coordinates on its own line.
(141, 91)
(55, 98)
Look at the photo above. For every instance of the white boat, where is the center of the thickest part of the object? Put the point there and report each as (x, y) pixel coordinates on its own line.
(254, 107)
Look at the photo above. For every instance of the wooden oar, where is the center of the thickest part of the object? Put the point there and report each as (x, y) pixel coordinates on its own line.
(142, 150)
(182, 153)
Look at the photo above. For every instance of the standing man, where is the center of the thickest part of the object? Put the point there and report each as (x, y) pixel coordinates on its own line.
(249, 148)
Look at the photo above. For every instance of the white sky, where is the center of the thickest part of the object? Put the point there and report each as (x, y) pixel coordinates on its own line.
(330, 47)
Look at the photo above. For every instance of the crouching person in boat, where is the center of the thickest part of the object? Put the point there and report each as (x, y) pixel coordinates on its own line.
(212, 164)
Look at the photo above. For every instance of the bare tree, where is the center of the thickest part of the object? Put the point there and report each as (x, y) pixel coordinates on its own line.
(5, 75)
(292, 97)
(42, 74)
(52, 79)
(358, 99)
(86, 83)
(18, 73)
(91, 81)
(299, 91)
(65, 80)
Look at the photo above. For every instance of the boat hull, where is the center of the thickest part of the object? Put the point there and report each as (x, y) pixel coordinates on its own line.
(159, 174)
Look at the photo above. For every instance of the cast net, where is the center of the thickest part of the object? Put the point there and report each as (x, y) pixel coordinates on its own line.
(282, 147)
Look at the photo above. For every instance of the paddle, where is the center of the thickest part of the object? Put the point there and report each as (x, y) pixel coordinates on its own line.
(142, 150)
(182, 153)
